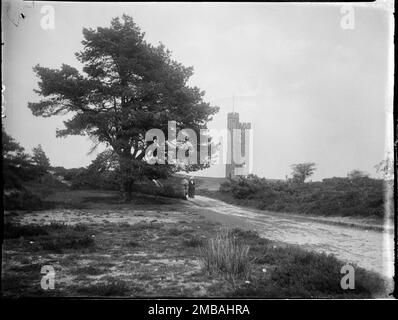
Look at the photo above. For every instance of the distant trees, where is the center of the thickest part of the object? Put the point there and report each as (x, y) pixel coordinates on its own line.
(12, 150)
(357, 174)
(13, 158)
(18, 166)
(333, 196)
(39, 157)
(302, 171)
(19, 170)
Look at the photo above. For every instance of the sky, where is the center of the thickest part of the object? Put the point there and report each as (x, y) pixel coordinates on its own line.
(312, 90)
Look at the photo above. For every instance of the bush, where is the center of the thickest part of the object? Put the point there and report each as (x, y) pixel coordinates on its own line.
(224, 255)
(336, 196)
(302, 274)
(171, 190)
(292, 272)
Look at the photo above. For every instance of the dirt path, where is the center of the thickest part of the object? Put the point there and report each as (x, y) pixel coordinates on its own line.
(370, 249)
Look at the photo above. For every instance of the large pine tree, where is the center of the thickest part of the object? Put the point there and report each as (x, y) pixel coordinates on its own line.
(128, 87)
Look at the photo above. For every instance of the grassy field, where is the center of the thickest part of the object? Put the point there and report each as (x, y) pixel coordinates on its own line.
(158, 247)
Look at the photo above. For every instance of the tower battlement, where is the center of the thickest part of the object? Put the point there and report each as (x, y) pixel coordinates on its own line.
(244, 125)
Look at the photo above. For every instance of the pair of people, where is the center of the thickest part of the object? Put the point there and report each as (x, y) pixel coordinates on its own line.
(189, 187)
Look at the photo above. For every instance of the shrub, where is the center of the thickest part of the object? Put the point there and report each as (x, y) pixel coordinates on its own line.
(170, 188)
(292, 272)
(226, 256)
(334, 196)
(302, 274)
(297, 273)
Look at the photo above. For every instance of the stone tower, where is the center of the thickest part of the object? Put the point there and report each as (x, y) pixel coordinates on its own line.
(233, 123)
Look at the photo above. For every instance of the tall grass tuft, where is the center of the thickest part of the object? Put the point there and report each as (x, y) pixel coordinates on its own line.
(226, 256)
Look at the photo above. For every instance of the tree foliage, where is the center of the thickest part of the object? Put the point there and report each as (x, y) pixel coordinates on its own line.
(18, 166)
(302, 171)
(40, 158)
(357, 174)
(128, 86)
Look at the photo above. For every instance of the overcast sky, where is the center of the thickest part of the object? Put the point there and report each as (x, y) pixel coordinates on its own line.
(312, 90)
